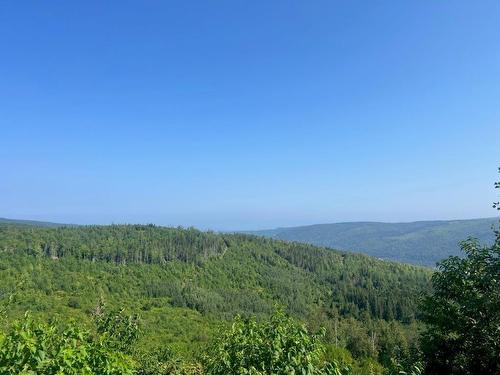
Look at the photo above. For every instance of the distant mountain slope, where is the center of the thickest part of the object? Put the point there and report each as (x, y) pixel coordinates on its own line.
(4, 221)
(421, 242)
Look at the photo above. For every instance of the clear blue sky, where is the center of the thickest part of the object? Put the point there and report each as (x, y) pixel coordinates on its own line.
(248, 114)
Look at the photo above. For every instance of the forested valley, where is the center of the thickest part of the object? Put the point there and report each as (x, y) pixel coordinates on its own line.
(184, 284)
(144, 299)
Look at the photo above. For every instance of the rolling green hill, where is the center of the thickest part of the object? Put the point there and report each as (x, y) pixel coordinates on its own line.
(421, 242)
(184, 283)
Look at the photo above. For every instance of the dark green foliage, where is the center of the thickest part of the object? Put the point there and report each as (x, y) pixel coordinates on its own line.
(463, 313)
(424, 242)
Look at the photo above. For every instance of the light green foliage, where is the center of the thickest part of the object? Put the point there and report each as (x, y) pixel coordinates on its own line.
(118, 330)
(164, 361)
(415, 368)
(35, 348)
(368, 366)
(341, 357)
(277, 346)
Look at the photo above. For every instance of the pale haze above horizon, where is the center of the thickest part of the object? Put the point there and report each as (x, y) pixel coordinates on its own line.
(240, 115)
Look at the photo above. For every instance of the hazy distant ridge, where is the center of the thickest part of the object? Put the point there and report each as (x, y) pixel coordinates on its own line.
(35, 223)
(421, 242)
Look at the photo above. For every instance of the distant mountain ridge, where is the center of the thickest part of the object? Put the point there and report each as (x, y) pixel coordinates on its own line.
(420, 242)
(35, 223)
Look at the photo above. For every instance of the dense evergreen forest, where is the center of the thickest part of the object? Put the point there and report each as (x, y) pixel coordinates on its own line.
(185, 284)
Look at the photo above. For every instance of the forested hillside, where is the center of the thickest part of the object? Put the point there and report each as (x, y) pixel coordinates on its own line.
(184, 283)
(421, 242)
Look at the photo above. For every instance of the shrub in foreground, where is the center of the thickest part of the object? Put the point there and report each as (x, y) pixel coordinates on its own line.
(278, 346)
(37, 348)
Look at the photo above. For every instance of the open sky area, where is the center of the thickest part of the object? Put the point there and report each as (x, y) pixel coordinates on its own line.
(248, 114)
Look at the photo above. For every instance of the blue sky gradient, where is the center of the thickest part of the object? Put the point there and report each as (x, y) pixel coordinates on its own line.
(248, 114)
